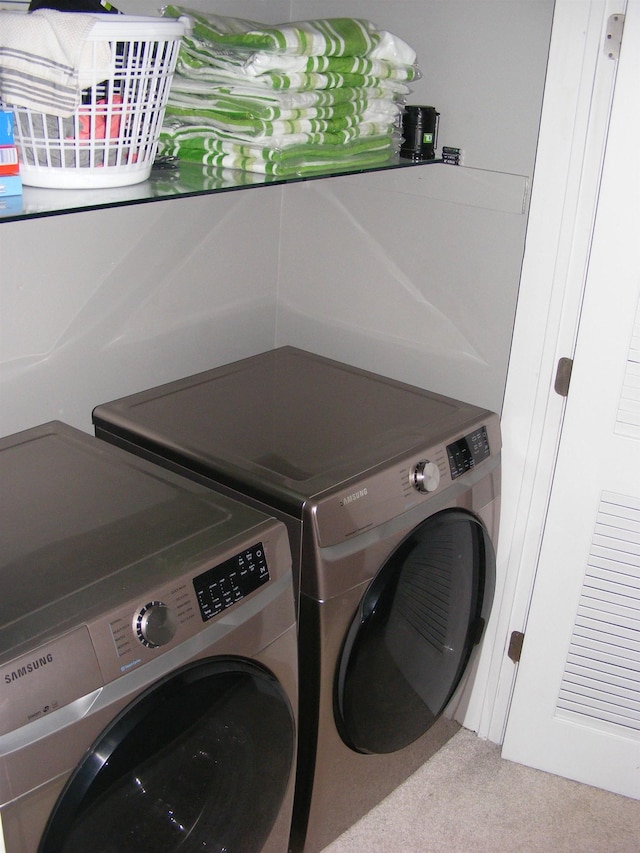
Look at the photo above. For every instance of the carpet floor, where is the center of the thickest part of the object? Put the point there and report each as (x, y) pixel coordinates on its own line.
(467, 799)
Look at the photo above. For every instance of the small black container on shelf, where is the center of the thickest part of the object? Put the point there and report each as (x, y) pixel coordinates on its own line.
(420, 132)
(94, 6)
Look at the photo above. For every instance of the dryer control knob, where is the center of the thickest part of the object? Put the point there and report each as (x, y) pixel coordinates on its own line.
(425, 477)
(155, 625)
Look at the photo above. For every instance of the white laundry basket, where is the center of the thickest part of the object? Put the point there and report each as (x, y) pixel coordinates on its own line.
(112, 138)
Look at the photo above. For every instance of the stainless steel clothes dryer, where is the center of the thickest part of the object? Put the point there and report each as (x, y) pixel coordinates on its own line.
(391, 496)
(148, 657)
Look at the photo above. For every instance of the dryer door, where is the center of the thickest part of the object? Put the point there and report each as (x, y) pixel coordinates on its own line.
(200, 761)
(411, 638)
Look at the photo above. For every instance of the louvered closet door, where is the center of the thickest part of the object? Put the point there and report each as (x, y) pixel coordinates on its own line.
(576, 706)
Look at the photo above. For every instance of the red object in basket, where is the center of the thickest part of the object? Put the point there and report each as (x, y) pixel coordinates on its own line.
(99, 128)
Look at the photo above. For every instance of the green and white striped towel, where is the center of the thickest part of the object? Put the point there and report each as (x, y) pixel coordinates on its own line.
(181, 133)
(300, 81)
(323, 37)
(265, 63)
(280, 129)
(224, 108)
(200, 145)
(271, 104)
(198, 54)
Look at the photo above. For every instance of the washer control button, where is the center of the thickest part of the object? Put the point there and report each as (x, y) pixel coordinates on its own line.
(155, 625)
(425, 476)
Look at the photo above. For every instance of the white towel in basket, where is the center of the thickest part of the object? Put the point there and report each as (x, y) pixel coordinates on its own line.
(46, 60)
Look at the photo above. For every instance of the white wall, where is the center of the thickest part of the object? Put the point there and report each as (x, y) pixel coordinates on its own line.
(417, 288)
(97, 305)
(415, 274)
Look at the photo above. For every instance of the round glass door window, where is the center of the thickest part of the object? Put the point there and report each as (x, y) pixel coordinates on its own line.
(200, 761)
(411, 638)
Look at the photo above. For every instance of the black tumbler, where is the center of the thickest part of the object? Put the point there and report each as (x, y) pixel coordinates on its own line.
(420, 132)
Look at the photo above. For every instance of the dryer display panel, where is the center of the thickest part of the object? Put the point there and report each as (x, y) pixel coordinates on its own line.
(229, 582)
(468, 451)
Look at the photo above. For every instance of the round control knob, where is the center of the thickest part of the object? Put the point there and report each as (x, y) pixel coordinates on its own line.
(155, 625)
(425, 476)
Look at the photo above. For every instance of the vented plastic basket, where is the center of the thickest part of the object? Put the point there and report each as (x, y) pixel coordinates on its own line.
(112, 138)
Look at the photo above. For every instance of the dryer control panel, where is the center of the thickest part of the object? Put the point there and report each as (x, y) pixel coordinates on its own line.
(465, 453)
(399, 485)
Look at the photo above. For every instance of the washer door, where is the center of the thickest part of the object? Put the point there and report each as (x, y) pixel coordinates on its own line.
(410, 641)
(200, 761)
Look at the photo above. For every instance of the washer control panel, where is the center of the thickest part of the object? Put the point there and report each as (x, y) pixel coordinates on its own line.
(220, 587)
(175, 611)
(140, 614)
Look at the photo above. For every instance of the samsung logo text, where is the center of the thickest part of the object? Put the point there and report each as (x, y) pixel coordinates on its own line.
(28, 668)
(354, 496)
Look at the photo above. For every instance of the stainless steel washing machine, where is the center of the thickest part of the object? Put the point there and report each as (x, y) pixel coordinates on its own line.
(391, 495)
(148, 657)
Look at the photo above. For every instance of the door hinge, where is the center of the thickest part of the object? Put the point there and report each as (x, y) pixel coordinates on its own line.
(515, 646)
(563, 376)
(613, 36)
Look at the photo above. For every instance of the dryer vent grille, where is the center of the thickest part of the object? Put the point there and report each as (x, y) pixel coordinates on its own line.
(423, 597)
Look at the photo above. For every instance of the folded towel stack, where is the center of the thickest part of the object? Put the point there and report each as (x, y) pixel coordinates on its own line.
(293, 99)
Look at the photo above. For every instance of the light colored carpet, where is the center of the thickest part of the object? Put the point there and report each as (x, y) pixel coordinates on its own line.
(467, 799)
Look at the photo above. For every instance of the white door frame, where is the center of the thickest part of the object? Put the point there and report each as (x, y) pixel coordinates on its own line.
(574, 710)
(575, 116)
